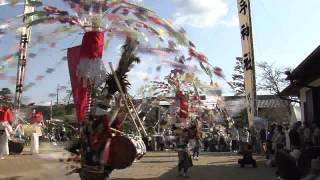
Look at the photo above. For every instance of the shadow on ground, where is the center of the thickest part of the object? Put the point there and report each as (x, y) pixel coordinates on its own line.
(218, 172)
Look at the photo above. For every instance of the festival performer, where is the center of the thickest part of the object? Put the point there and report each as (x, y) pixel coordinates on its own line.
(37, 123)
(100, 151)
(247, 157)
(5, 130)
(183, 149)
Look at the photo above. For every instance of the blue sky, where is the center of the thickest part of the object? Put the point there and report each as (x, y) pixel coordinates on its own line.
(285, 32)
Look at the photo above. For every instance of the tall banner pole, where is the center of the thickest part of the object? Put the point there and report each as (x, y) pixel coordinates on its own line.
(23, 53)
(248, 58)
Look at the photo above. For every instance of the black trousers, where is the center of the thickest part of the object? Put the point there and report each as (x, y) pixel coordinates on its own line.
(234, 144)
(180, 167)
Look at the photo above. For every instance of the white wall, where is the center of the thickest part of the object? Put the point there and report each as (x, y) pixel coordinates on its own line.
(303, 92)
(296, 113)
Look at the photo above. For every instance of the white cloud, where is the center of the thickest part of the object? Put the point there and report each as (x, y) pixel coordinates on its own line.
(200, 13)
(233, 22)
(136, 1)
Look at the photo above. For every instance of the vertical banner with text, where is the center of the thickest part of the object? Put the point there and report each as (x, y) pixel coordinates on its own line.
(248, 57)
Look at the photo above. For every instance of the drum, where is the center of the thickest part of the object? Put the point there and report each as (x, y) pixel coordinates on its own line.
(30, 129)
(16, 146)
(122, 151)
(138, 147)
(144, 148)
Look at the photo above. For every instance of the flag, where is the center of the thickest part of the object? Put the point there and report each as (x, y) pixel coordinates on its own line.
(79, 92)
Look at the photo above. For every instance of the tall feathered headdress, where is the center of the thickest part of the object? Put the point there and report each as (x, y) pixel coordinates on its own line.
(127, 59)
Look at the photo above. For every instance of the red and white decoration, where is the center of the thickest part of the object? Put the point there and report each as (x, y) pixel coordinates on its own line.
(86, 66)
(91, 68)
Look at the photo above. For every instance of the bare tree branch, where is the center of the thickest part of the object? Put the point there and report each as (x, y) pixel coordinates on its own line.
(273, 80)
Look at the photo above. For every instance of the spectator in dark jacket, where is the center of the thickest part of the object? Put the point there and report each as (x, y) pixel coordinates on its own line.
(295, 137)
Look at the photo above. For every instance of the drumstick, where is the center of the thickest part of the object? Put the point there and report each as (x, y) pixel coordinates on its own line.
(115, 130)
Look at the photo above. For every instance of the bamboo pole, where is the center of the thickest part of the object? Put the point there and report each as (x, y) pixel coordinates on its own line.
(139, 120)
(23, 54)
(123, 97)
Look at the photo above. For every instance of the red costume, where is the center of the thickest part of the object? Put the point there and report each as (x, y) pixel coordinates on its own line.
(1, 114)
(99, 136)
(5, 114)
(36, 118)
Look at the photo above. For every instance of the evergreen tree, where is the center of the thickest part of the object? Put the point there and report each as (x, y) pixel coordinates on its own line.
(238, 77)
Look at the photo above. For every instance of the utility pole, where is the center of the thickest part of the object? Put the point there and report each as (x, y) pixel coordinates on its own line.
(58, 94)
(51, 110)
(23, 54)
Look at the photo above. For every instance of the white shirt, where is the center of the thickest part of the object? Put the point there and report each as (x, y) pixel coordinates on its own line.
(245, 136)
(235, 134)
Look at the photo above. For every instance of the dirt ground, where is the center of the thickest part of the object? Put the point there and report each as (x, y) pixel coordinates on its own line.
(155, 165)
(210, 166)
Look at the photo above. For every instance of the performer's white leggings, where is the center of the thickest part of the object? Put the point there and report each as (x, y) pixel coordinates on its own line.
(35, 143)
(4, 146)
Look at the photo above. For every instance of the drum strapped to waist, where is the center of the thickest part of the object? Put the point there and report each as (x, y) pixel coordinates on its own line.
(30, 129)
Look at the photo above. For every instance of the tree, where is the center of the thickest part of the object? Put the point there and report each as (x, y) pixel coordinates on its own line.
(5, 96)
(241, 120)
(58, 111)
(238, 77)
(272, 78)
